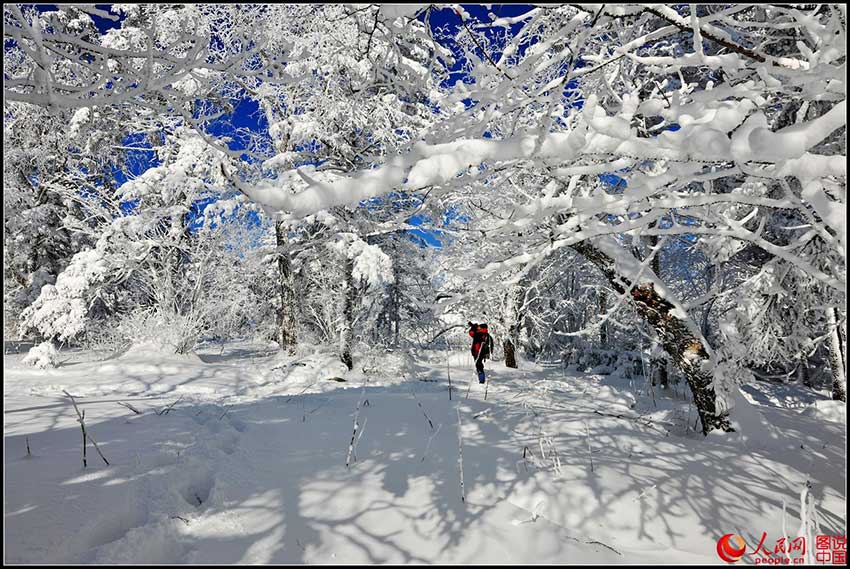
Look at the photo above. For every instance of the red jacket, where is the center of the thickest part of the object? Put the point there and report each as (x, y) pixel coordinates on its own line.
(481, 338)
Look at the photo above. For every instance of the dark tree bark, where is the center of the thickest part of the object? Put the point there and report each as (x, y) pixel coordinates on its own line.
(510, 353)
(803, 373)
(346, 333)
(684, 349)
(287, 333)
(836, 360)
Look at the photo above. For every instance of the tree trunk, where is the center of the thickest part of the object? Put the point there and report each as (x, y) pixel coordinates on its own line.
(513, 322)
(842, 340)
(510, 353)
(660, 364)
(395, 304)
(287, 334)
(711, 275)
(803, 373)
(685, 350)
(836, 360)
(346, 332)
(663, 378)
(602, 302)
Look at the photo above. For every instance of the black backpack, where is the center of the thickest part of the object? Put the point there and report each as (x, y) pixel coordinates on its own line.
(486, 345)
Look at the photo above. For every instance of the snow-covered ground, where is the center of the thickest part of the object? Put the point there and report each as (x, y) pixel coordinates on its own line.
(250, 464)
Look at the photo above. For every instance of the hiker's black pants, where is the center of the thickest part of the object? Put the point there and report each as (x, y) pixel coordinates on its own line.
(479, 365)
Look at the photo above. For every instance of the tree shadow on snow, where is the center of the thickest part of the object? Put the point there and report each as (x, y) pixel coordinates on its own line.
(267, 482)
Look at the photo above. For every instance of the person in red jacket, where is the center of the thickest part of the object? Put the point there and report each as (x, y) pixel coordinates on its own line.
(482, 347)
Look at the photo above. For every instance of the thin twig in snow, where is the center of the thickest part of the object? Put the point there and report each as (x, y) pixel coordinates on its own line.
(359, 436)
(535, 515)
(595, 542)
(526, 454)
(166, 410)
(605, 545)
(325, 402)
(356, 426)
(482, 413)
(544, 438)
(639, 420)
(427, 418)
(86, 436)
(83, 427)
(301, 392)
(430, 440)
(130, 407)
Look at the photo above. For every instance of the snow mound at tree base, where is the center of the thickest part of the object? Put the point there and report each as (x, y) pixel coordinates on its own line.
(752, 430)
(835, 411)
(42, 356)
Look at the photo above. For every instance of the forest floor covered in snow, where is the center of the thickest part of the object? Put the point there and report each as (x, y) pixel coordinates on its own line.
(249, 466)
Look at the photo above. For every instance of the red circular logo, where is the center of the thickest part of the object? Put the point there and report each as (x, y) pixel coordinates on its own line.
(731, 547)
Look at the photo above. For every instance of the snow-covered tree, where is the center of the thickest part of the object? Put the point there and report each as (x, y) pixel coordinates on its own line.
(723, 127)
(679, 145)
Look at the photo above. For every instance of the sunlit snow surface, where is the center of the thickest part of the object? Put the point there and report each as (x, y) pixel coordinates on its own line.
(249, 466)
